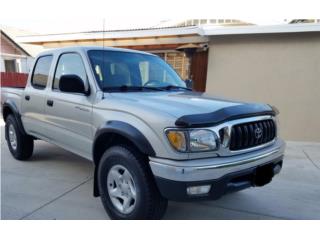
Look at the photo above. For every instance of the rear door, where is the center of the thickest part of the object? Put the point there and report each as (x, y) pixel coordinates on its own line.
(69, 115)
(34, 96)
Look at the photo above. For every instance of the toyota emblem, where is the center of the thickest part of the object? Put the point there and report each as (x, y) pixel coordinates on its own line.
(258, 133)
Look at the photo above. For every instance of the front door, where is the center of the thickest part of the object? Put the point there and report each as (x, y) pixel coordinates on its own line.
(69, 115)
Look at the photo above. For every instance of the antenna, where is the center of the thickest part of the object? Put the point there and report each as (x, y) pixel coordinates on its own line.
(103, 29)
(102, 67)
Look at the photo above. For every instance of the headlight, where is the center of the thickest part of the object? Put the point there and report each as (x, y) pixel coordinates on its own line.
(202, 140)
(193, 140)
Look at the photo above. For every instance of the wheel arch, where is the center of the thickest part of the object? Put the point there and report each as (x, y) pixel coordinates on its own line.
(117, 132)
(9, 107)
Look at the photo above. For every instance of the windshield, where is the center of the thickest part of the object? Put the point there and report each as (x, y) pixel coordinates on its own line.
(117, 70)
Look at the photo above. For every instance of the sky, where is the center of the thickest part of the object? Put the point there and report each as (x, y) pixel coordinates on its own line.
(60, 16)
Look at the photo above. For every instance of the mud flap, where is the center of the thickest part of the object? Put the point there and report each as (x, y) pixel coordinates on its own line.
(96, 192)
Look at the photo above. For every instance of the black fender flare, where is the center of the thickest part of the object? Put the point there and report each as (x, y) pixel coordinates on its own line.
(125, 130)
(14, 109)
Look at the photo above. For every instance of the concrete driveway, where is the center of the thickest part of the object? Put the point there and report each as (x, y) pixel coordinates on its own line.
(56, 184)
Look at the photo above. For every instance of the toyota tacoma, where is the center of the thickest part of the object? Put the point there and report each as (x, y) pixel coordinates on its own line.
(151, 139)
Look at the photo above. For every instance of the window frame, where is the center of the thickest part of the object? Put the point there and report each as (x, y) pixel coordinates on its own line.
(55, 71)
(34, 68)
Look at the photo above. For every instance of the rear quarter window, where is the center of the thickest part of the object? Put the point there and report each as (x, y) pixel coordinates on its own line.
(41, 70)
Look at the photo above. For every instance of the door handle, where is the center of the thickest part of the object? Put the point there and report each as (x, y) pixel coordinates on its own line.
(82, 109)
(27, 97)
(50, 103)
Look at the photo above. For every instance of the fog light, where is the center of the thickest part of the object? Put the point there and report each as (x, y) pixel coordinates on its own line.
(197, 190)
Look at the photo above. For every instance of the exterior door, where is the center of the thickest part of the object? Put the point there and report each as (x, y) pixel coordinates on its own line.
(33, 99)
(199, 65)
(69, 115)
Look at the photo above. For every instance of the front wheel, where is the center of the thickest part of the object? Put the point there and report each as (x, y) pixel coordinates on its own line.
(127, 187)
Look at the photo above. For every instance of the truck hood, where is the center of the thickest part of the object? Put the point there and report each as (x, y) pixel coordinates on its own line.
(176, 104)
(186, 109)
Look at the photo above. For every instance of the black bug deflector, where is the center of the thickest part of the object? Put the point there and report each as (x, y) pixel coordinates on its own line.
(224, 114)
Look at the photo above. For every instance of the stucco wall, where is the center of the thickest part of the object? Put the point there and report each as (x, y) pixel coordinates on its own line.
(9, 52)
(1, 64)
(26, 64)
(280, 69)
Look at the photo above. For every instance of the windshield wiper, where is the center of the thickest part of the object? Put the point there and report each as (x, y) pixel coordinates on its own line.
(126, 88)
(169, 87)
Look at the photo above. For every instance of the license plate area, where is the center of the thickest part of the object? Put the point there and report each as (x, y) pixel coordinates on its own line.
(263, 175)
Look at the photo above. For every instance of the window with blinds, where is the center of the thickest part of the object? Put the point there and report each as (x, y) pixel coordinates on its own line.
(178, 61)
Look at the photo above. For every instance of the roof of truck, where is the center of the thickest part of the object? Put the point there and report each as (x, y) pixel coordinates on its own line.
(87, 48)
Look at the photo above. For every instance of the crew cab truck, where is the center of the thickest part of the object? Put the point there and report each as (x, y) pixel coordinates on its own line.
(151, 138)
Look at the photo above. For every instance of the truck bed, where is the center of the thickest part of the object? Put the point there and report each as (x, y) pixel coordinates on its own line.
(13, 94)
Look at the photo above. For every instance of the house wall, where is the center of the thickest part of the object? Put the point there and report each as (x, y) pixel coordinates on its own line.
(279, 69)
(7, 47)
(1, 64)
(23, 63)
(26, 64)
(9, 52)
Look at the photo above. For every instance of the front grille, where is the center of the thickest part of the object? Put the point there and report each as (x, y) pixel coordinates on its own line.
(251, 134)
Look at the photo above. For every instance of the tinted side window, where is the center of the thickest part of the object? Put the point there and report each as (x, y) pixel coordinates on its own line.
(69, 63)
(41, 72)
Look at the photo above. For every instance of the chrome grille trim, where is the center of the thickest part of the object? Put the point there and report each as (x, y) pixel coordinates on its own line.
(224, 131)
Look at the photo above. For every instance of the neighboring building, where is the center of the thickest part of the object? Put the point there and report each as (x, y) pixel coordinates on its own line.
(168, 40)
(202, 22)
(14, 33)
(168, 43)
(13, 58)
(279, 65)
(295, 21)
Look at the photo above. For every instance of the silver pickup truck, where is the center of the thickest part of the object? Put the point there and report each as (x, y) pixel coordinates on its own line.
(151, 138)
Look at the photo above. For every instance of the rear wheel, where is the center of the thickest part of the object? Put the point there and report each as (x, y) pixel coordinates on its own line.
(127, 187)
(20, 145)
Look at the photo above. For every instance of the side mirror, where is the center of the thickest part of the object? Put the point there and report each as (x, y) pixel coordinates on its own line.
(189, 83)
(72, 84)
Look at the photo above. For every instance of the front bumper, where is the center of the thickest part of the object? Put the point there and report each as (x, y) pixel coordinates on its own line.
(224, 174)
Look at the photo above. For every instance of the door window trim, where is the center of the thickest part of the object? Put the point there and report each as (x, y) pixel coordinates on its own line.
(34, 68)
(55, 71)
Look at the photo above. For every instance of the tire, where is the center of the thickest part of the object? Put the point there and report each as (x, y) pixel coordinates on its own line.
(22, 147)
(126, 160)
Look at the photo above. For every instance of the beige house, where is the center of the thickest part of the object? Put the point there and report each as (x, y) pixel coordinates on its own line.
(279, 65)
